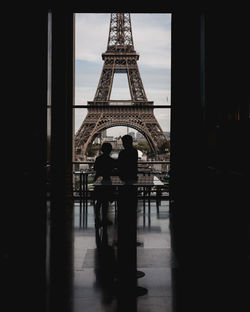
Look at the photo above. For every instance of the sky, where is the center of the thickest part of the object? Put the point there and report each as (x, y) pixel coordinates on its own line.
(152, 40)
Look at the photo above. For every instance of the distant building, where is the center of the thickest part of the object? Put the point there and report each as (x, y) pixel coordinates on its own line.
(104, 133)
(140, 154)
(108, 138)
(132, 134)
(98, 139)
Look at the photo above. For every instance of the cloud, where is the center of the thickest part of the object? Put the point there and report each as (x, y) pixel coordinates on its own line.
(91, 36)
(151, 34)
(83, 95)
(152, 40)
(159, 96)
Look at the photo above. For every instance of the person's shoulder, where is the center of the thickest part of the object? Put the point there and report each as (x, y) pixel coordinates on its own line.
(111, 159)
(121, 152)
(135, 150)
(98, 157)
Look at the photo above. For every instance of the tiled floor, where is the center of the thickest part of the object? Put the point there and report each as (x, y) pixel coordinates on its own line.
(93, 289)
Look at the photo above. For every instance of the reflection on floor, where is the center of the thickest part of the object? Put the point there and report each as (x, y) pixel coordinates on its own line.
(94, 288)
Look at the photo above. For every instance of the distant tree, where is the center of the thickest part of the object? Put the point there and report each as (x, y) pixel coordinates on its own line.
(144, 147)
(163, 148)
(93, 150)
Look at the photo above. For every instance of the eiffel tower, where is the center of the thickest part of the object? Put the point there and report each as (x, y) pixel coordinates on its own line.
(103, 113)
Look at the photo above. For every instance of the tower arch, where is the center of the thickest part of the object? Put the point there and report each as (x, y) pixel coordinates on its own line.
(122, 124)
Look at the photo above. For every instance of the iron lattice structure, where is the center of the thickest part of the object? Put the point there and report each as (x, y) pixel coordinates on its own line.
(137, 113)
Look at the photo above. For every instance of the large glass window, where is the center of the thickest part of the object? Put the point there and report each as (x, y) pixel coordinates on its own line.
(152, 41)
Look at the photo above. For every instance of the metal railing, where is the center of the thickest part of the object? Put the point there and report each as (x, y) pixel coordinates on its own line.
(83, 176)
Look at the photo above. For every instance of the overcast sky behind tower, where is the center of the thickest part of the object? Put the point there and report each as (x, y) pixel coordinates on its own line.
(152, 40)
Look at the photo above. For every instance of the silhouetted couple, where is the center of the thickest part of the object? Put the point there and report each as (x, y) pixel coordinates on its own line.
(105, 166)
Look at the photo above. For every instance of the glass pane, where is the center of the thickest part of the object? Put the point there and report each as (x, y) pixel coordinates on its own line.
(152, 42)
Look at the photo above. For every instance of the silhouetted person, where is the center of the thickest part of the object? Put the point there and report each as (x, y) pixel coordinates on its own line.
(127, 160)
(127, 212)
(104, 164)
(104, 167)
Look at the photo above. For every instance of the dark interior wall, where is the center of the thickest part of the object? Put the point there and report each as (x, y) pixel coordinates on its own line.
(209, 169)
(227, 88)
(227, 122)
(24, 211)
(25, 214)
(227, 118)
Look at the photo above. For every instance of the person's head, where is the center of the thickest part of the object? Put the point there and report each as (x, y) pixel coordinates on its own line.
(127, 141)
(106, 148)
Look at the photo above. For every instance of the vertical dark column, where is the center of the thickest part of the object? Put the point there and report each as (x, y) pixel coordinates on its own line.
(186, 126)
(187, 216)
(23, 212)
(61, 161)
